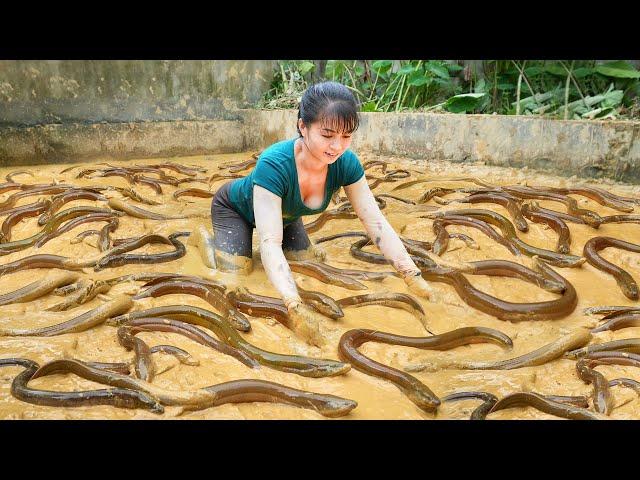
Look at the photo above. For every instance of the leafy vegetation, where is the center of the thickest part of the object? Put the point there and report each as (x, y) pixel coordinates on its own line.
(565, 89)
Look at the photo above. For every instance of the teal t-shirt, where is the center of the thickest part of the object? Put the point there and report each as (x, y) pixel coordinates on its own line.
(276, 171)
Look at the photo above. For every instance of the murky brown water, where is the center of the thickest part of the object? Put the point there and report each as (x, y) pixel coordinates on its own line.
(377, 399)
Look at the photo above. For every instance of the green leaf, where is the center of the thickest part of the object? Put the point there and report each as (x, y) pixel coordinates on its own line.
(383, 78)
(533, 71)
(612, 98)
(580, 109)
(334, 68)
(463, 102)
(381, 65)
(437, 69)
(531, 101)
(604, 112)
(406, 70)
(612, 114)
(454, 67)
(305, 67)
(505, 86)
(443, 83)
(511, 71)
(369, 106)
(417, 79)
(582, 72)
(556, 70)
(618, 69)
(480, 86)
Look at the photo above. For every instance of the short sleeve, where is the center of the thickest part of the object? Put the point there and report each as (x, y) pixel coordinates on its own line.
(352, 170)
(271, 175)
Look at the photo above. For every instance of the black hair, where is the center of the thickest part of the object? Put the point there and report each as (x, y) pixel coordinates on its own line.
(331, 103)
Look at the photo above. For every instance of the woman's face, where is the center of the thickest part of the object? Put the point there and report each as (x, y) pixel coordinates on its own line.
(323, 142)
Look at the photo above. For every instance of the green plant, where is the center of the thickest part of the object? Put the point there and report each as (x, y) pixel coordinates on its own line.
(289, 82)
(576, 89)
(564, 89)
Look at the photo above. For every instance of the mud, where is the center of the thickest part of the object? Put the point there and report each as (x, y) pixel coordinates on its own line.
(377, 399)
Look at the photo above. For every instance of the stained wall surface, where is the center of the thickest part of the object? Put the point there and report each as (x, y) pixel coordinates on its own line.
(590, 149)
(40, 92)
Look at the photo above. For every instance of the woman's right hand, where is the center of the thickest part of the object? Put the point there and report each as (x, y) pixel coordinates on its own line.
(305, 322)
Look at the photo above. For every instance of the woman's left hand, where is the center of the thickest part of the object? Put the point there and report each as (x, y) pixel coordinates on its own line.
(420, 287)
(305, 322)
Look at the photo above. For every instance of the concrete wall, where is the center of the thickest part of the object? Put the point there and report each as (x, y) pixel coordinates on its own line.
(66, 111)
(584, 148)
(589, 149)
(41, 92)
(76, 142)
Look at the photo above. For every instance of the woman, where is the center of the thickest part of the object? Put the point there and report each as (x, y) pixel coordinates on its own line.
(298, 177)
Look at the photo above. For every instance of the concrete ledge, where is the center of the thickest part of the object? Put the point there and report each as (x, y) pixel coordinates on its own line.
(80, 142)
(584, 148)
(589, 149)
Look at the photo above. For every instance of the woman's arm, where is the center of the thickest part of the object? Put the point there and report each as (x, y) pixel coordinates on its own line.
(384, 236)
(378, 228)
(267, 210)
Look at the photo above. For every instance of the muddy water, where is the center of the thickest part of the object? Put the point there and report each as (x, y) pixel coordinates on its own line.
(377, 399)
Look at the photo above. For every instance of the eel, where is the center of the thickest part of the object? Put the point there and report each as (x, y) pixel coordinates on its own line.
(26, 211)
(589, 217)
(138, 212)
(484, 227)
(86, 291)
(193, 192)
(235, 391)
(602, 399)
(388, 299)
(623, 278)
(39, 288)
(211, 295)
(626, 344)
(540, 356)
(554, 258)
(52, 225)
(75, 222)
(488, 401)
(603, 197)
(623, 320)
(157, 324)
(414, 389)
(305, 366)
(504, 200)
(117, 260)
(557, 225)
(486, 303)
(68, 196)
(317, 271)
(119, 305)
(144, 367)
(116, 397)
(540, 402)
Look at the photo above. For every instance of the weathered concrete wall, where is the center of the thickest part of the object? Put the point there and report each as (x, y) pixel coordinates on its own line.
(77, 110)
(41, 92)
(584, 148)
(81, 142)
(264, 127)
